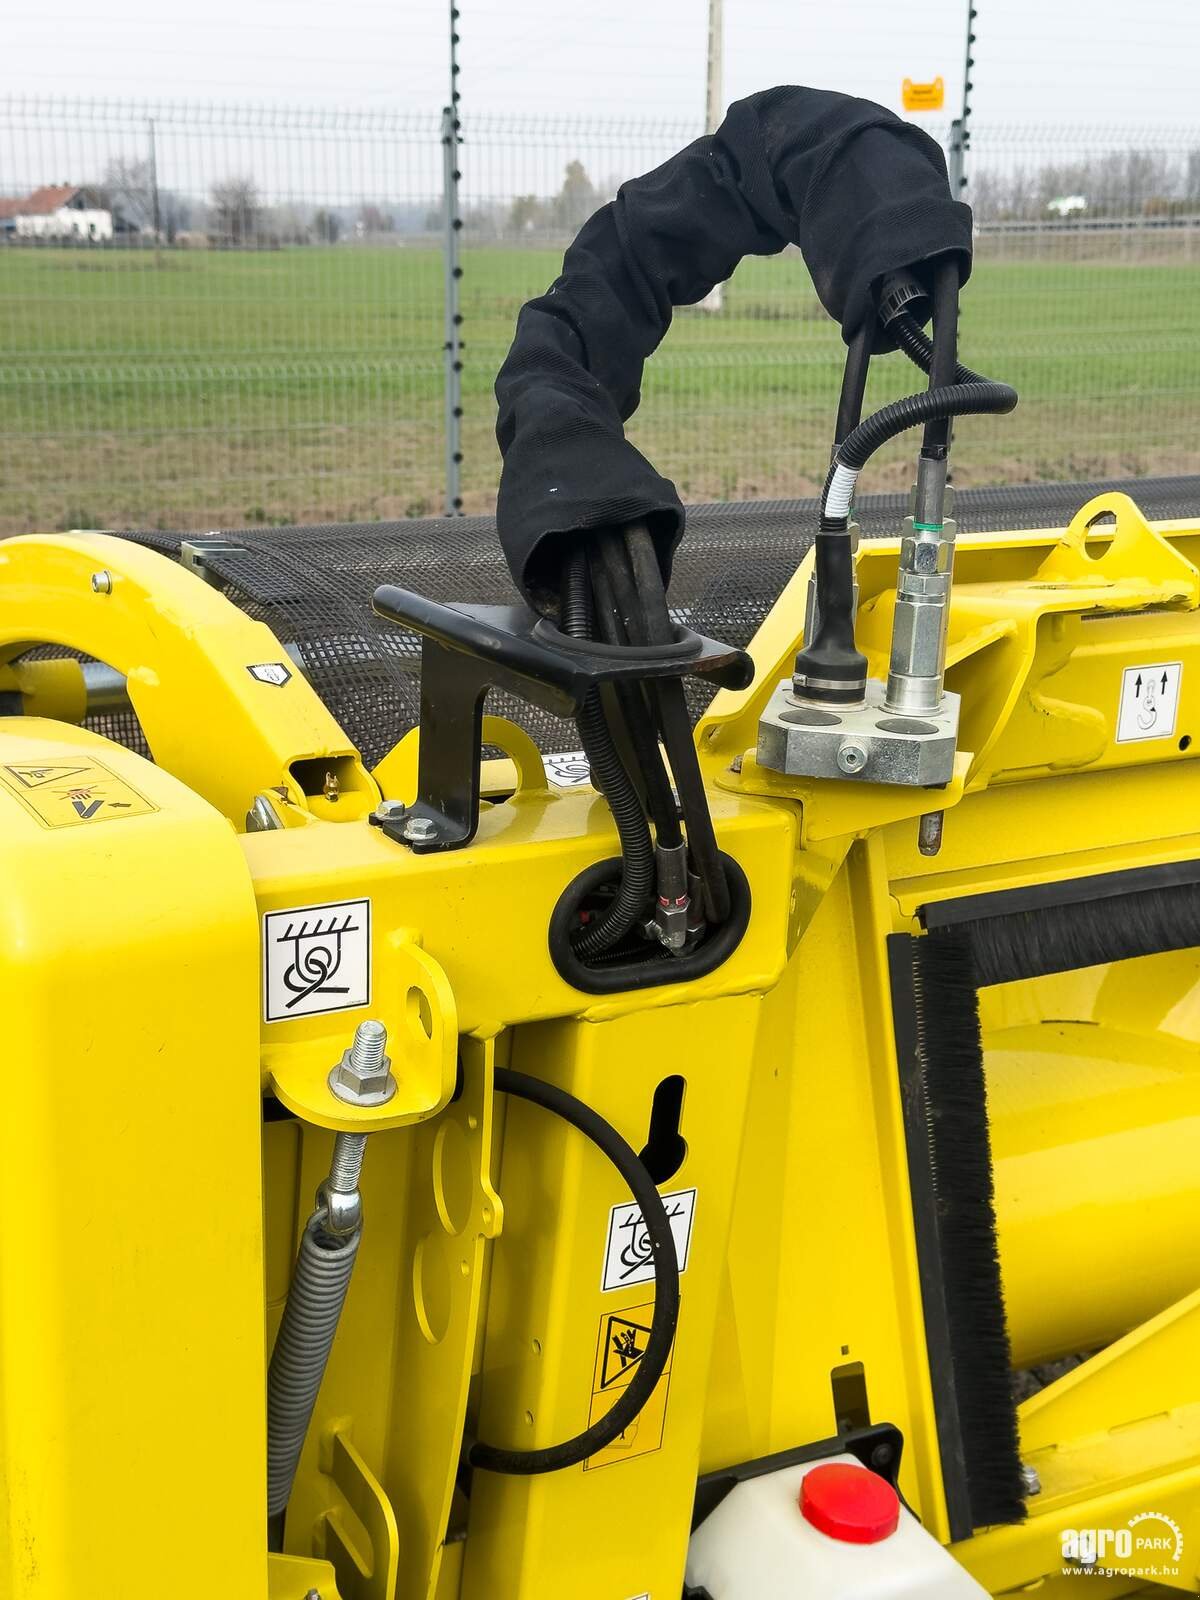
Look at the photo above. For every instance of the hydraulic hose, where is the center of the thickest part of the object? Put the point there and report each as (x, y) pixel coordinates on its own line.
(935, 445)
(650, 1368)
(310, 1319)
(830, 668)
(608, 772)
(632, 700)
(650, 598)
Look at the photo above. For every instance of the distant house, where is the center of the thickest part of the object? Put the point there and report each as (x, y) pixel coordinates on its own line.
(60, 212)
(1067, 205)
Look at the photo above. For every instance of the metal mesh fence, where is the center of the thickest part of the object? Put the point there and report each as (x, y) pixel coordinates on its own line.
(260, 338)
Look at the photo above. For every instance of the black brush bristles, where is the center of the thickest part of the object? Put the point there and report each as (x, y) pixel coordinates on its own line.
(949, 1049)
(1060, 938)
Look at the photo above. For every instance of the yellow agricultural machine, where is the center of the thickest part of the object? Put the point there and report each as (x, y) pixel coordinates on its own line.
(748, 1156)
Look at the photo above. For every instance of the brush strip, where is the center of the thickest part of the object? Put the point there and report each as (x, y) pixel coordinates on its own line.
(950, 1054)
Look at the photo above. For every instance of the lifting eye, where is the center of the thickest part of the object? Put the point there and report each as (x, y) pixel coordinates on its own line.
(666, 1150)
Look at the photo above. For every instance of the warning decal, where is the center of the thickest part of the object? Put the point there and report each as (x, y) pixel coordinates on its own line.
(620, 1346)
(628, 1255)
(568, 769)
(1149, 704)
(316, 959)
(65, 794)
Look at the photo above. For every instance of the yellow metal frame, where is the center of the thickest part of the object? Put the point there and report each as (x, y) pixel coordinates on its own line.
(466, 1312)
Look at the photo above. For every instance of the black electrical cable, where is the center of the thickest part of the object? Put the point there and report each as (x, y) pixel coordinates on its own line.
(650, 1368)
(608, 772)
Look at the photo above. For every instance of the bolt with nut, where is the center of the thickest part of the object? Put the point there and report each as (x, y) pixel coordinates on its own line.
(420, 830)
(363, 1077)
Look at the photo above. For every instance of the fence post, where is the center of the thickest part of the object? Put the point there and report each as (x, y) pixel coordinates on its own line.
(453, 314)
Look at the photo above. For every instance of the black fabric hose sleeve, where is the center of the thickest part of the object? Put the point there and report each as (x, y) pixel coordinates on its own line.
(609, 775)
(861, 192)
(553, 1458)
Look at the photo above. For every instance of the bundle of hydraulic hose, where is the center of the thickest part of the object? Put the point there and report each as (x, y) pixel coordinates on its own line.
(588, 526)
(830, 668)
(862, 193)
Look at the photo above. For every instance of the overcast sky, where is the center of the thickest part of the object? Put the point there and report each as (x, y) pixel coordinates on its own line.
(1098, 62)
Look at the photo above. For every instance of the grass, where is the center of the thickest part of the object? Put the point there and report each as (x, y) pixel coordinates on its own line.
(306, 383)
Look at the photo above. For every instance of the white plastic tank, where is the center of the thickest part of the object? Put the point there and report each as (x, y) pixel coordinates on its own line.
(827, 1530)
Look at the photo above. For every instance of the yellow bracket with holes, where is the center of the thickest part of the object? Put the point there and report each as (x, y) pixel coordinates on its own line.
(420, 1015)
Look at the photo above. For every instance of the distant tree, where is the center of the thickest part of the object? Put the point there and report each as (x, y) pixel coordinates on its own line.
(526, 213)
(372, 220)
(236, 207)
(577, 198)
(327, 226)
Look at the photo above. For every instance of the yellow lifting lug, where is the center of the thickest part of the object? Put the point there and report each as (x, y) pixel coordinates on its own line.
(220, 703)
(304, 1056)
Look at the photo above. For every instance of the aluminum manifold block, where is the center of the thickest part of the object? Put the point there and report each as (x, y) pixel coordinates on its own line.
(867, 742)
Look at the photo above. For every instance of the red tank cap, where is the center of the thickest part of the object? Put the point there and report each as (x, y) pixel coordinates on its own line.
(849, 1503)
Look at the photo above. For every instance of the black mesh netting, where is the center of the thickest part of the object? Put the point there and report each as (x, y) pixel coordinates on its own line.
(313, 586)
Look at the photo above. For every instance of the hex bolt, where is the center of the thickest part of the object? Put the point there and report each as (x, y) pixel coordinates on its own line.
(363, 1076)
(389, 811)
(1033, 1483)
(313, 1594)
(851, 757)
(420, 830)
(102, 582)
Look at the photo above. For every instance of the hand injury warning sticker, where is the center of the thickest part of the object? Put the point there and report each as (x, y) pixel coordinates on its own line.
(620, 1346)
(68, 794)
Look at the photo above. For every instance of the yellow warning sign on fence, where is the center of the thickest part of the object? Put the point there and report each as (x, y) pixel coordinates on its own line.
(923, 96)
(67, 794)
(620, 1346)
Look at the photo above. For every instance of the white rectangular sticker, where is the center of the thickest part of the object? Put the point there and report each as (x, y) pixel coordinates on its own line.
(1149, 706)
(316, 959)
(568, 769)
(628, 1257)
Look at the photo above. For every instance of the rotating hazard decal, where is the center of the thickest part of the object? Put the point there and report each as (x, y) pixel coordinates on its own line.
(68, 794)
(316, 959)
(620, 1346)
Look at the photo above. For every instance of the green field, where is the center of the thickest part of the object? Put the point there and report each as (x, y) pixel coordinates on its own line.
(217, 389)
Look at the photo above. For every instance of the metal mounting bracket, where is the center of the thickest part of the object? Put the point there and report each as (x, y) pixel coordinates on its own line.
(468, 650)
